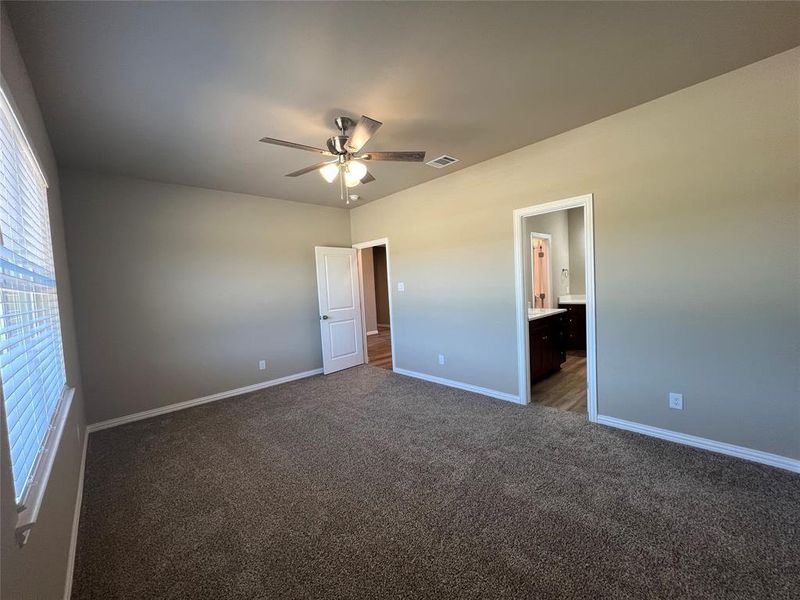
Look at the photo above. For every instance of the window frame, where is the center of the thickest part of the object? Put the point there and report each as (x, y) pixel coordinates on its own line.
(33, 493)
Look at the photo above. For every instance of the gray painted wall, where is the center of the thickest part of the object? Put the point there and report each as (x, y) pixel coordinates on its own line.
(678, 183)
(39, 569)
(180, 291)
(577, 251)
(554, 223)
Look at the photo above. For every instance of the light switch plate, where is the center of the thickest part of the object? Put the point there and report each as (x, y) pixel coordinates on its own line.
(401, 287)
(262, 364)
(441, 359)
(676, 401)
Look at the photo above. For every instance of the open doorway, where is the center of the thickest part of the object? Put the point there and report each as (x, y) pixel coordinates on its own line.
(555, 302)
(373, 264)
(540, 268)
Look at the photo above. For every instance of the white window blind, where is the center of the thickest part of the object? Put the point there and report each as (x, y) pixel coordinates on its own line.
(31, 355)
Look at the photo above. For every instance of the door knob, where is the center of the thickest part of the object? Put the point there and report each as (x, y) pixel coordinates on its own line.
(324, 317)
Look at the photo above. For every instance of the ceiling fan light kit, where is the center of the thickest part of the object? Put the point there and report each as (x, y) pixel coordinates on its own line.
(354, 172)
(330, 172)
(347, 164)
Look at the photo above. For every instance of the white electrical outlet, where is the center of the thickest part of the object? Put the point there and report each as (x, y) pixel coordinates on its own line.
(401, 287)
(441, 359)
(262, 364)
(676, 401)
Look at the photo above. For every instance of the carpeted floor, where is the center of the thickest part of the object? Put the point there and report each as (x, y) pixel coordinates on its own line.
(369, 484)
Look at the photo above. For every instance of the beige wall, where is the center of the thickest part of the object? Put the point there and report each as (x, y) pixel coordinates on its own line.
(577, 251)
(381, 285)
(678, 183)
(368, 280)
(180, 291)
(555, 224)
(39, 569)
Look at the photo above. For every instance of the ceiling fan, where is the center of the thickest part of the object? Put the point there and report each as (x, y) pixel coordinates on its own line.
(344, 148)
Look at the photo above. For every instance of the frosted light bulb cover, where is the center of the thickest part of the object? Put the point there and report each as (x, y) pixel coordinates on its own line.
(329, 172)
(355, 172)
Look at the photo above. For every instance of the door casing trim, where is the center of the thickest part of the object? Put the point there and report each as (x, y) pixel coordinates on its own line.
(586, 202)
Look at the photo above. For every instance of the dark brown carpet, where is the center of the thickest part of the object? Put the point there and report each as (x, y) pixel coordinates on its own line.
(369, 484)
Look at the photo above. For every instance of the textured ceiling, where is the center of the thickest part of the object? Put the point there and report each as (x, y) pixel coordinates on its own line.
(181, 92)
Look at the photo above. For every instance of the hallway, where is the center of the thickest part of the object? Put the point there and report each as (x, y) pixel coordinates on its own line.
(379, 348)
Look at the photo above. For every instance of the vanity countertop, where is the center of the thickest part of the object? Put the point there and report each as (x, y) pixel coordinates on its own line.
(572, 299)
(541, 313)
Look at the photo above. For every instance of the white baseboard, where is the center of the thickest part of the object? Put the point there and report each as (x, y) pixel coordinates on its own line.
(197, 401)
(375, 332)
(766, 458)
(460, 385)
(73, 540)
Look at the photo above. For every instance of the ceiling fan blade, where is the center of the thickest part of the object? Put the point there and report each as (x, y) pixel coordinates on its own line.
(398, 156)
(368, 178)
(305, 170)
(365, 129)
(269, 140)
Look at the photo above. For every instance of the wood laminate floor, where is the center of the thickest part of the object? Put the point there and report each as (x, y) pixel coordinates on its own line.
(565, 390)
(379, 348)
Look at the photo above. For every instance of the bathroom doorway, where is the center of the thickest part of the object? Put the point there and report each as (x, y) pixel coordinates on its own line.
(540, 267)
(554, 263)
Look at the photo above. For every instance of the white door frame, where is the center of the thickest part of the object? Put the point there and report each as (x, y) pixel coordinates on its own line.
(549, 239)
(359, 247)
(523, 344)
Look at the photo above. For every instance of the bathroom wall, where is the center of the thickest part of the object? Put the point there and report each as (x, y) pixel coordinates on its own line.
(556, 225)
(577, 251)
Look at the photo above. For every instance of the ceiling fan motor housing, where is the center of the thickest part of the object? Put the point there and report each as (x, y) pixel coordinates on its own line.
(344, 124)
(336, 144)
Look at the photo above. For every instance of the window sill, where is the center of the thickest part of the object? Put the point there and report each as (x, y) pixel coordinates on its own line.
(28, 508)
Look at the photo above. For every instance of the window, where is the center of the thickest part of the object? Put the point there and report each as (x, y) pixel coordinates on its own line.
(31, 355)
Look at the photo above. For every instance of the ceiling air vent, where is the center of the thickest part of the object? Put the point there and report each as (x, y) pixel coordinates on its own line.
(442, 162)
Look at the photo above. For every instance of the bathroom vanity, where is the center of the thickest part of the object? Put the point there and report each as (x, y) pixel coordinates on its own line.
(575, 305)
(546, 329)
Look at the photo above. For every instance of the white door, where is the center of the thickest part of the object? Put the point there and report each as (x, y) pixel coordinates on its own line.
(339, 308)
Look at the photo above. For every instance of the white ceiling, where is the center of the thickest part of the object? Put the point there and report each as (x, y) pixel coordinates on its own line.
(181, 92)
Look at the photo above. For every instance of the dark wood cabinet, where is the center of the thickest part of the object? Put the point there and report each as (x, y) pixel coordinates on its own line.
(575, 326)
(547, 345)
